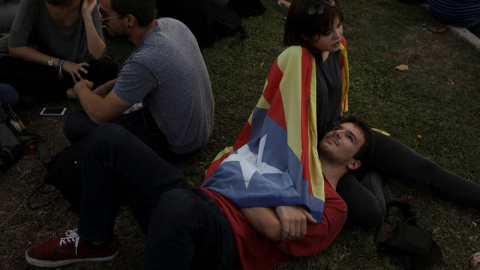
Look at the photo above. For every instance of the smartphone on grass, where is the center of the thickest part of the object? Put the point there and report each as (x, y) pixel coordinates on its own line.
(53, 111)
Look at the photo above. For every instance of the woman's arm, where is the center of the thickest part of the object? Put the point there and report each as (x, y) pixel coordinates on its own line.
(32, 55)
(96, 45)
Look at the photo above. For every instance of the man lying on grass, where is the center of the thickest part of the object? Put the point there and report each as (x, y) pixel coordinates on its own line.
(205, 228)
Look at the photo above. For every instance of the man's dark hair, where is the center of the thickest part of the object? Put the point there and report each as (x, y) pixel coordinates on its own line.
(366, 150)
(142, 10)
(301, 28)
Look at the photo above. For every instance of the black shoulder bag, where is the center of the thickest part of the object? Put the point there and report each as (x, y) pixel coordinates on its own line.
(409, 246)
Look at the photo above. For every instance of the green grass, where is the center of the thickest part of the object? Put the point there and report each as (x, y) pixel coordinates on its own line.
(381, 35)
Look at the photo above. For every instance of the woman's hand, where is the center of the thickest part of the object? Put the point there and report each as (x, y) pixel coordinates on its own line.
(74, 69)
(88, 6)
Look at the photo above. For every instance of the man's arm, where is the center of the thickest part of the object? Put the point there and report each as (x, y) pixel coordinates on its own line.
(105, 88)
(264, 220)
(285, 223)
(100, 110)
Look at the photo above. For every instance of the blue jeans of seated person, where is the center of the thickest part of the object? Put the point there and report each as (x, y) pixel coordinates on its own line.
(366, 204)
(120, 169)
(189, 231)
(78, 125)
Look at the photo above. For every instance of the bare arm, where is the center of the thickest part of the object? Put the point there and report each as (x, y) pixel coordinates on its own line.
(105, 88)
(32, 55)
(100, 110)
(285, 223)
(294, 222)
(264, 220)
(96, 45)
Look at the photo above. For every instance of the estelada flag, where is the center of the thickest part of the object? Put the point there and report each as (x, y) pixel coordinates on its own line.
(274, 160)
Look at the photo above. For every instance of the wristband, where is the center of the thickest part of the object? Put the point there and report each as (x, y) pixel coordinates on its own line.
(60, 65)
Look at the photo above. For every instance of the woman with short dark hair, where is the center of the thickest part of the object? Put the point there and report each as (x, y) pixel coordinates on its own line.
(320, 53)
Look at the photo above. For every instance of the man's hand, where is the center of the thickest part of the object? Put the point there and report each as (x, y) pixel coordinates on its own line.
(74, 69)
(88, 6)
(294, 222)
(82, 84)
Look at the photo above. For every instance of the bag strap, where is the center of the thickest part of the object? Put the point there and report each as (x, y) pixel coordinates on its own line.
(38, 190)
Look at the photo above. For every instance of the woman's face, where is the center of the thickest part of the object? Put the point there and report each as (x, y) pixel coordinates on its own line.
(330, 41)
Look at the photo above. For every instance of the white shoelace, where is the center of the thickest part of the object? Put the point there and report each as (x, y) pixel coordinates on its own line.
(72, 236)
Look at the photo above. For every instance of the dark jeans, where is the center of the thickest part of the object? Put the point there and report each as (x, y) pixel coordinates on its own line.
(120, 169)
(42, 81)
(394, 159)
(140, 123)
(189, 231)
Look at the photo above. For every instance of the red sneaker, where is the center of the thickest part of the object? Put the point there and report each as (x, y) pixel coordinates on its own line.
(60, 251)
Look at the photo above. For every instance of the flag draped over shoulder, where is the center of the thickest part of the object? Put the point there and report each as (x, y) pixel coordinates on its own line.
(274, 160)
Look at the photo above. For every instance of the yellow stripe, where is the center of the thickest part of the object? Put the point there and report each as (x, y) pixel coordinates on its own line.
(290, 62)
(345, 78)
(316, 175)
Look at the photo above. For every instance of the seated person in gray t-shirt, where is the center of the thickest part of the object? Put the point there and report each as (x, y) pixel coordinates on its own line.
(166, 72)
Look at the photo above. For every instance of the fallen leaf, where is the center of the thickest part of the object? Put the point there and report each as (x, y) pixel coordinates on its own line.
(439, 29)
(402, 67)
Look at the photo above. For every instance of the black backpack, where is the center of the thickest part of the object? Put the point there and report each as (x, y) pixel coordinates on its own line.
(406, 244)
(15, 140)
(225, 22)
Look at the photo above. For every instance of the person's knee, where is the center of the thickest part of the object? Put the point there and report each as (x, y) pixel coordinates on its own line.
(77, 126)
(109, 134)
(176, 206)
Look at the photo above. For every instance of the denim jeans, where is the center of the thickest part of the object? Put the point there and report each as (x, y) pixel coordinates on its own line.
(189, 231)
(120, 169)
(393, 159)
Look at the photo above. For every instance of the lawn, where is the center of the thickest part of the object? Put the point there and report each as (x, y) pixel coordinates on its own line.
(433, 108)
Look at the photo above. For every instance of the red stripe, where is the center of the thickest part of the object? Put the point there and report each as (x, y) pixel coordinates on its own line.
(273, 95)
(274, 77)
(213, 166)
(243, 137)
(306, 82)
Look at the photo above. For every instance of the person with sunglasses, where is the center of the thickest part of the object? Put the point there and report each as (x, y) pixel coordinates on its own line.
(53, 44)
(318, 51)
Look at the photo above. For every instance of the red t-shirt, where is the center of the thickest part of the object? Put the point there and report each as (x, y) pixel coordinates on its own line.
(258, 252)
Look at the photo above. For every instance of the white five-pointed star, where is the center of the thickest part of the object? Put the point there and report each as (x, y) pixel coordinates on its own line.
(250, 162)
